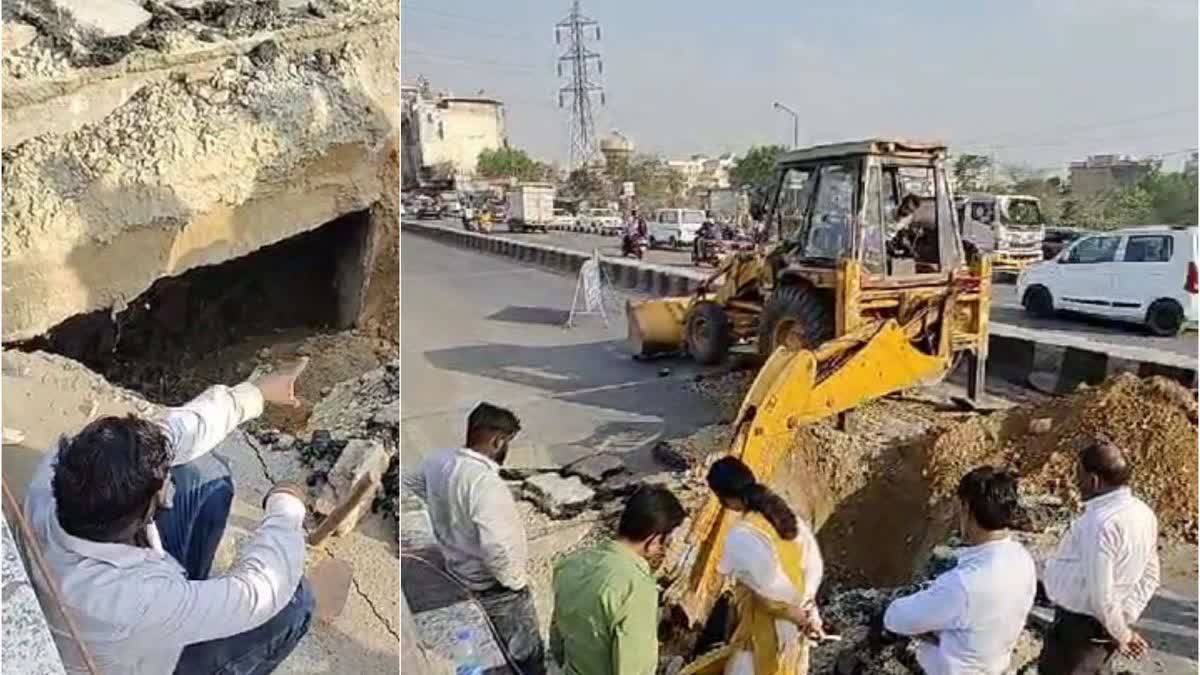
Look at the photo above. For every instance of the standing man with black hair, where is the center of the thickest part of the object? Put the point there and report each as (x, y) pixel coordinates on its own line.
(606, 600)
(129, 513)
(1104, 572)
(480, 532)
(970, 618)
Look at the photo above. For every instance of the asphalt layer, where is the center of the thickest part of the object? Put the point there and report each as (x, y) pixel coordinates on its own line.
(1006, 306)
(483, 328)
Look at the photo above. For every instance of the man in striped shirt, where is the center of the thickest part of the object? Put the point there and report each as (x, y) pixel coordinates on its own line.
(1104, 572)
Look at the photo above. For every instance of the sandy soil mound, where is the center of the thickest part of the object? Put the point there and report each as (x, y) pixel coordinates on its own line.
(1153, 420)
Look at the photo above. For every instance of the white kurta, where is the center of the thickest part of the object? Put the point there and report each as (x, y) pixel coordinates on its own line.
(750, 559)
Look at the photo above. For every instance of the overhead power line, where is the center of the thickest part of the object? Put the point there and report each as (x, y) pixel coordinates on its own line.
(576, 65)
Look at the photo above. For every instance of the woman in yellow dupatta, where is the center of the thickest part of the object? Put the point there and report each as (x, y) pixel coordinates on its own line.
(774, 561)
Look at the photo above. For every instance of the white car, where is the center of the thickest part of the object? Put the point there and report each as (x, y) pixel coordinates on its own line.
(563, 219)
(605, 220)
(674, 227)
(1145, 275)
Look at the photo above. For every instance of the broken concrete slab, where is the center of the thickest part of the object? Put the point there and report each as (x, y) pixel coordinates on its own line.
(28, 646)
(360, 459)
(94, 19)
(624, 485)
(557, 496)
(16, 36)
(597, 468)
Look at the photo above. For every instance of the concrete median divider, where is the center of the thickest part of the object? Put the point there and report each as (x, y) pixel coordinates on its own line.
(1052, 360)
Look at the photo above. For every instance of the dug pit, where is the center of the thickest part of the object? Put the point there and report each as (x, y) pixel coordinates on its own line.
(218, 323)
(882, 498)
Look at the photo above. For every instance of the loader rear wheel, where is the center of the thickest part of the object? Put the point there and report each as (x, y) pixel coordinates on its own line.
(798, 316)
(708, 333)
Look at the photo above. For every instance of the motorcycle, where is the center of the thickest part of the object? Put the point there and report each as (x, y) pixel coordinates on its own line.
(635, 246)
(709, 251)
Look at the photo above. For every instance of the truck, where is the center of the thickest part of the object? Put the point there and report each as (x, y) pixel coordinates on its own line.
(530, 207)
(1009, 227)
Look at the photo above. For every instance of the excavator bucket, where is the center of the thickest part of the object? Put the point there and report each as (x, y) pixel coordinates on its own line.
(656, 326)
(792, 389)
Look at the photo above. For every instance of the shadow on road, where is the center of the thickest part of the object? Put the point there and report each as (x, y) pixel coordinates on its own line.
(595, 374)
(545, 316)
(1169, 625)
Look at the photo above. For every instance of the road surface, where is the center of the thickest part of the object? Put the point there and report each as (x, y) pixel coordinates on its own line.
(478, 327)
(1006, 307)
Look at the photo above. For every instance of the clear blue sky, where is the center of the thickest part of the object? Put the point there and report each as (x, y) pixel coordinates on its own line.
(1047, 80)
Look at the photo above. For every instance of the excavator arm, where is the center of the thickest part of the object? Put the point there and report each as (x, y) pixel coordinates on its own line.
(793, 388)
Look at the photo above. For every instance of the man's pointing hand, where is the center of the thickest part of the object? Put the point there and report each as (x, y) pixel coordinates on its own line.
(279, 386)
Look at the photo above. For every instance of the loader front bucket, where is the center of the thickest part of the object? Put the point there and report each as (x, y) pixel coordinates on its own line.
(792, 389)
(656, 326)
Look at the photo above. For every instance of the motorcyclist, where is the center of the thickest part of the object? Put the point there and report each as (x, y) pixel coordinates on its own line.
(635, 230)
(708, 231)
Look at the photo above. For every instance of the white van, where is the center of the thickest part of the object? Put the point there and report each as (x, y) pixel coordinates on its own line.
(674, 227)
(1146, 275)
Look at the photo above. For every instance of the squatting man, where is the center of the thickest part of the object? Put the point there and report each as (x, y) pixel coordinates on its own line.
(129, 513)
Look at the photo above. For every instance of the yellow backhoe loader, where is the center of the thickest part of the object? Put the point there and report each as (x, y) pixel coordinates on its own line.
(866, 292)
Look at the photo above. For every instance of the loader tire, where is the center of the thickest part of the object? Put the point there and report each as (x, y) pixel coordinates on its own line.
(708, 333)
(799, 314)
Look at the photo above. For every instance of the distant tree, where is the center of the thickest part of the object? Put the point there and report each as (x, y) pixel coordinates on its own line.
(1173, 197)
(655, 184)
(585, 184)
(756, 168)
(511, 163)
(972, 173)
(755, 173)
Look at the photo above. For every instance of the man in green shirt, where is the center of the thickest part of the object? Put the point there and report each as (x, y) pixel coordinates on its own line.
(606, 600)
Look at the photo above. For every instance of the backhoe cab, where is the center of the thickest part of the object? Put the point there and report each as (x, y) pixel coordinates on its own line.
(861, 232)
(865, 292)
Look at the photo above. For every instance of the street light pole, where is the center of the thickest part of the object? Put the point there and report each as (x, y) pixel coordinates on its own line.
(795, 122)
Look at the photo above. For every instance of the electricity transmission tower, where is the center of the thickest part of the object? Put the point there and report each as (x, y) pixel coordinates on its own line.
(575, 65)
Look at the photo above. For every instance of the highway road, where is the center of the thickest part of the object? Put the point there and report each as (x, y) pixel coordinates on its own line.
(477, 327)
(1006, 307)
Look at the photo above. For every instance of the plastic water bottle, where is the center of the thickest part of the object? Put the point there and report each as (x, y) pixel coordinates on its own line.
(466, 660)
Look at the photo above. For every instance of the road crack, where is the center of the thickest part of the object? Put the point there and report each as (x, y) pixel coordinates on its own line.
(257, 448)
(387, 625)
(375, 610)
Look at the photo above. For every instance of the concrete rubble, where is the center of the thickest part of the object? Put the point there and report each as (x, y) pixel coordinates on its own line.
(185, 152)
(596, 468)
(557, 496)
(359, 460)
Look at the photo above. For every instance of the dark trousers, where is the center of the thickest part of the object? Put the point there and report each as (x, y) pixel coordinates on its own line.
(190, 531)
(515, 618)
(1076, 644)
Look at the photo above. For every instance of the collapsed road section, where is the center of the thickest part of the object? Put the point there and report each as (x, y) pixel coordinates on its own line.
(196, 191)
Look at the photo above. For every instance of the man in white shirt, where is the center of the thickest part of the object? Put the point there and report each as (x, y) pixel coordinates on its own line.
(129, 513)
(970, 618)
(1104, 572)
(479, 530)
